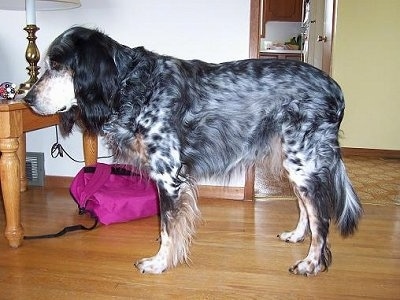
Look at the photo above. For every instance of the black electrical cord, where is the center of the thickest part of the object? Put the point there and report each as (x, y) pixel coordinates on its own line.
(57, 150)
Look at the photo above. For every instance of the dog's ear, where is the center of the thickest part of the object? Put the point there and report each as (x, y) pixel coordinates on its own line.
(68, 119)
(95, 81)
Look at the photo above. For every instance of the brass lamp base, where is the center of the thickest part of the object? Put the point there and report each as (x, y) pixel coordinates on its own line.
(32, 56)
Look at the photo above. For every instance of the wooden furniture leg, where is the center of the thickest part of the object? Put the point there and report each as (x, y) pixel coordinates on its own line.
(90, 146)
(21, 153)
(11, 185)
(16, 118)
(249, 184)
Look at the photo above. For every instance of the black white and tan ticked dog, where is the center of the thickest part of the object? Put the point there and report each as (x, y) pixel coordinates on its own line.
(182, 119)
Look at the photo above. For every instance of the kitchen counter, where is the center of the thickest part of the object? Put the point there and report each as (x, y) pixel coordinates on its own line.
(283, 51)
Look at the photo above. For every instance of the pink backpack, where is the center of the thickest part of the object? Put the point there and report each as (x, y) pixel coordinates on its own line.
(110, 194)
(114, 193)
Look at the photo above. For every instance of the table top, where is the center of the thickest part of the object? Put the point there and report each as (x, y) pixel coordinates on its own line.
(17, 117)
(12, 105)
(16, 104)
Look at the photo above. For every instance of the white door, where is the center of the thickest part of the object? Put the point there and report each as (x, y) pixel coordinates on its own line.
(318, 25)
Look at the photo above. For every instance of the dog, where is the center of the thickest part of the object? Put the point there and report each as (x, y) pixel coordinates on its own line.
(180, 120)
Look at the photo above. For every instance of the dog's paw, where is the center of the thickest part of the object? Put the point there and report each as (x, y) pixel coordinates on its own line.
(307, 267)
(152, 265)
(292, 236)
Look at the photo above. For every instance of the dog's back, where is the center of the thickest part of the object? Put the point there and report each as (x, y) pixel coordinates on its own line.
(235, 109)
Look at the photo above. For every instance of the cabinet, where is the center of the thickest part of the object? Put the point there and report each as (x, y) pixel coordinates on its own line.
(281, 55)
(283, 10)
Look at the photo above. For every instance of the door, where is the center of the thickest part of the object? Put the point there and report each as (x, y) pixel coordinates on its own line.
(320, 37)
(318, 22)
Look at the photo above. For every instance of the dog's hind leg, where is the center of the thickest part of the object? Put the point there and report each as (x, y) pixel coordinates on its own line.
(310, 182)
(319, 256)
(302, 228)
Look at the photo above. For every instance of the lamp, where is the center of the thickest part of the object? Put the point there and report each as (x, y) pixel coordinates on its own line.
(32, 54)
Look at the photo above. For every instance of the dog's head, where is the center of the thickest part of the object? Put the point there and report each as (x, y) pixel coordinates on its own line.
(80, 80)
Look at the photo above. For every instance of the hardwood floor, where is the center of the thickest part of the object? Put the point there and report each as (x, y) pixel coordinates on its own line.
(236, 255)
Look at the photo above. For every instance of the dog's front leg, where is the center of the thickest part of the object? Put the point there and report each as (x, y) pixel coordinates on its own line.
(161, 261)
(179, 215)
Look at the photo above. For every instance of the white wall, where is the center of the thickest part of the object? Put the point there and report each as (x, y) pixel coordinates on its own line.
(281, 32)
(211, 30)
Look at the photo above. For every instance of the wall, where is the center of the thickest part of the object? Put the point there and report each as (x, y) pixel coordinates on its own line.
(213, 31)
(281, 32)
(366, 63)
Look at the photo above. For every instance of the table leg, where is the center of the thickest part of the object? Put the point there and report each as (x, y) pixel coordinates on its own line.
(21, 152)
(90, 145)
(10, 185)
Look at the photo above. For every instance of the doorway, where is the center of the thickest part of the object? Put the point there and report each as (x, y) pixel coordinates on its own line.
(322, 17)
(322, 23)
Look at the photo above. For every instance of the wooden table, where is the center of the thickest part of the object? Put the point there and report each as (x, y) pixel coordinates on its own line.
(15, 119)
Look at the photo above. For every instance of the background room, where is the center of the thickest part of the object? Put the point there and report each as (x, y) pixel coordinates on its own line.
(236, 253)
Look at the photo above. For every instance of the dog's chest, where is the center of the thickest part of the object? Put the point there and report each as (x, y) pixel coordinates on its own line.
(134, 140)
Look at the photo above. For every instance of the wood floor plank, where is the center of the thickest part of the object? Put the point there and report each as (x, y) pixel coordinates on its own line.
(235, 255)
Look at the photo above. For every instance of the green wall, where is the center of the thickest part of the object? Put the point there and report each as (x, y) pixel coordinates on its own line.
(366, 63)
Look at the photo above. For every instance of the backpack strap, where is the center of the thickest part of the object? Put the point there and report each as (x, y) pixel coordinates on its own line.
(100, 176)
(62, 232)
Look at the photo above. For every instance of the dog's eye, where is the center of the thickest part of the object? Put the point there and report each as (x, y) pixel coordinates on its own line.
(55, 65)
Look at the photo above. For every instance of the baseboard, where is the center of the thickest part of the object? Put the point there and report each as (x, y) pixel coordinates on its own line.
(205, 191)
(377, 153)
(57, 181)
(221, 192)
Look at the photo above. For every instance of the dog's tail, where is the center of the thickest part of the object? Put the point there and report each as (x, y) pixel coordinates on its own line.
(347, 207)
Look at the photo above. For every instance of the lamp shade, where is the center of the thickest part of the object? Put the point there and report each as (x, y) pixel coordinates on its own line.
(40, 4)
